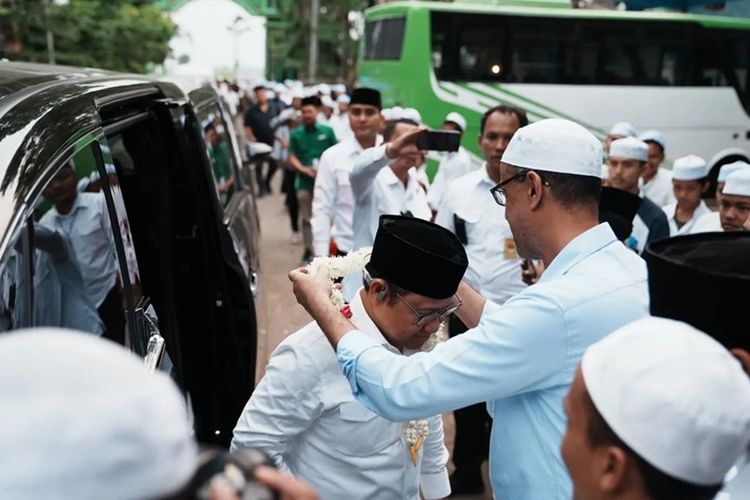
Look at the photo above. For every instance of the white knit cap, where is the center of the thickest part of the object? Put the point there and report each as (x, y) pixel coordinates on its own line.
(624, 129)
(674, 395)
(397, 113)
(689, 168)
(654, 136)
(343, 98)
(387, 114)
(555, 145)
(738, 183)
(456, 118)
(412, 114)
(629, 148)
(82, 418)
(727, 169)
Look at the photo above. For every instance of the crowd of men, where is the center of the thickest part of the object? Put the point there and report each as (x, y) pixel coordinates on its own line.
(581, 369)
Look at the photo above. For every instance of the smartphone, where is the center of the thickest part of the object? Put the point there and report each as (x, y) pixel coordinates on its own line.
(439, 140)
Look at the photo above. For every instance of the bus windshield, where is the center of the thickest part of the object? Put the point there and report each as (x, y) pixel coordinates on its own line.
(588, 51)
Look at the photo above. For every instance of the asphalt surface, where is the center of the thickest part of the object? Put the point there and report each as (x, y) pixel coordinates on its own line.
(279, 315)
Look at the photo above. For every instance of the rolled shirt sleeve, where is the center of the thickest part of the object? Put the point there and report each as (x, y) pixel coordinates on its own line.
(365, 168)
(516, 347)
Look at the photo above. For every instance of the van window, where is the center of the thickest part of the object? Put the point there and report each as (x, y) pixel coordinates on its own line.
(384, 39)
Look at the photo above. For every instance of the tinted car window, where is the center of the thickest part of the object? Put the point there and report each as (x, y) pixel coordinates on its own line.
(62, 269)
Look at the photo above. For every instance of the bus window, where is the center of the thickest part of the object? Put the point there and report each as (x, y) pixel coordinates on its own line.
(384, 39)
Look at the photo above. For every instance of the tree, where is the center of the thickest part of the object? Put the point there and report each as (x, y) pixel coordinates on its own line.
(119, 35)
(289, 38)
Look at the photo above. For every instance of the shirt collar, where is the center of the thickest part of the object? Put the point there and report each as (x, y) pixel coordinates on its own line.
(578, 249)
(356, 147)
(485, 177)
(364, 323)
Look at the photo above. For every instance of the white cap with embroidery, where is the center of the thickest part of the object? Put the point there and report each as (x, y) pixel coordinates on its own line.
(689, 168)
(456, 118)
(738, 183)
(727, 169)
(629, 148)
(674, 395)
(623, 129)
(83, 418)
(555, 145)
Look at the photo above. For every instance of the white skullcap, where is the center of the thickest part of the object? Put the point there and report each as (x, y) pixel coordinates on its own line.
(654, 136)
(397, 113)
(412, 114)
(624, 129)
(456, 118)
(279, 88)
(689, 168)
(82, 418)
(327, 101)
(343, 98)
(605, 171)
(738, 183)
(324, 89)
(629, 148)
(555, 145)
(674, 395)
(727, 169)
(298, 93)
(339, 88)
(387, 114)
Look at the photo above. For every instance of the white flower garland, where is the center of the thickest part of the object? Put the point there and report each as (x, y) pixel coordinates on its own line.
(415, 431)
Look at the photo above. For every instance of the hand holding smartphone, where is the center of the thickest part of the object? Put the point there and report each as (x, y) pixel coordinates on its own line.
(438, 140)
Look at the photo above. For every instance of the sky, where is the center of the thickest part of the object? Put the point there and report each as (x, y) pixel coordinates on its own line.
(205, 36)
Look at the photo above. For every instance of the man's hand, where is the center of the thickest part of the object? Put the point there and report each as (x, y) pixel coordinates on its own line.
(744, 358)
(310, 289)
(286, 484)
(310, 172)
(405, 144)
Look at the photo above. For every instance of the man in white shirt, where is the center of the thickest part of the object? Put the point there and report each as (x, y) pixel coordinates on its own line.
(333, 201)
(711, 221)
(656, 181)
(469, 211)
(689, 183)
(303, 413)
(339, 122)
(452, 166)
(83, 219)
(392, 190)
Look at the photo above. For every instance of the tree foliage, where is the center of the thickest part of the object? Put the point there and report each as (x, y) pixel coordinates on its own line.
(289, 40)
(119, 35)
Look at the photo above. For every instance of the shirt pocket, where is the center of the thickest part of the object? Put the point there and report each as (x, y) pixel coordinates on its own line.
(362, 433)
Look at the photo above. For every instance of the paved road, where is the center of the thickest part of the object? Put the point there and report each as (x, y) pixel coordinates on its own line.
(278, 313)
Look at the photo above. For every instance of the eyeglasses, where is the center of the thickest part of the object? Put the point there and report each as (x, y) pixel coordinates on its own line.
(498, 193)
(423, 319)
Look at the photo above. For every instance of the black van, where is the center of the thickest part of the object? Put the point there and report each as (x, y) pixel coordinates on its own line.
(111, 223)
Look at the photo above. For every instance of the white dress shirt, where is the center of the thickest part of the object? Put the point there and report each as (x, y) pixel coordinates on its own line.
(686, 228)
(377, 191)
(333, 201)
(494, 266)
(659, 188)
(303, 414)
(709, 222)
(89, 232)
(451, 167)
(341, 127)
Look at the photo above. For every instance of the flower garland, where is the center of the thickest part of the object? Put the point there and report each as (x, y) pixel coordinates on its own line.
(415, 431)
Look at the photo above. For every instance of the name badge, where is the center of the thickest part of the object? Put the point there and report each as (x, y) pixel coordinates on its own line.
(509, 249)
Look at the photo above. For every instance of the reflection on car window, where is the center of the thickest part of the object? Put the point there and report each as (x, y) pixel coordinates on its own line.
(219, 152)
(62, 269)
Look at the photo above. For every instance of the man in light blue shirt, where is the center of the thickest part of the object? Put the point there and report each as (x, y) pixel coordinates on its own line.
(519, 357)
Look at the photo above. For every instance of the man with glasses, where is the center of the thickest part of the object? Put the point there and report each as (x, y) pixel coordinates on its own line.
(521, 356)
(303, 413)
(494, 271)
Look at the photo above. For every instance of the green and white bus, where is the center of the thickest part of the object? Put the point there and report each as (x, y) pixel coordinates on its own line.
(686, 75)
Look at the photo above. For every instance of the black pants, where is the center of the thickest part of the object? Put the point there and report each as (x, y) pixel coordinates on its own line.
(111, 314)
(473, 425)
(290, 200)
